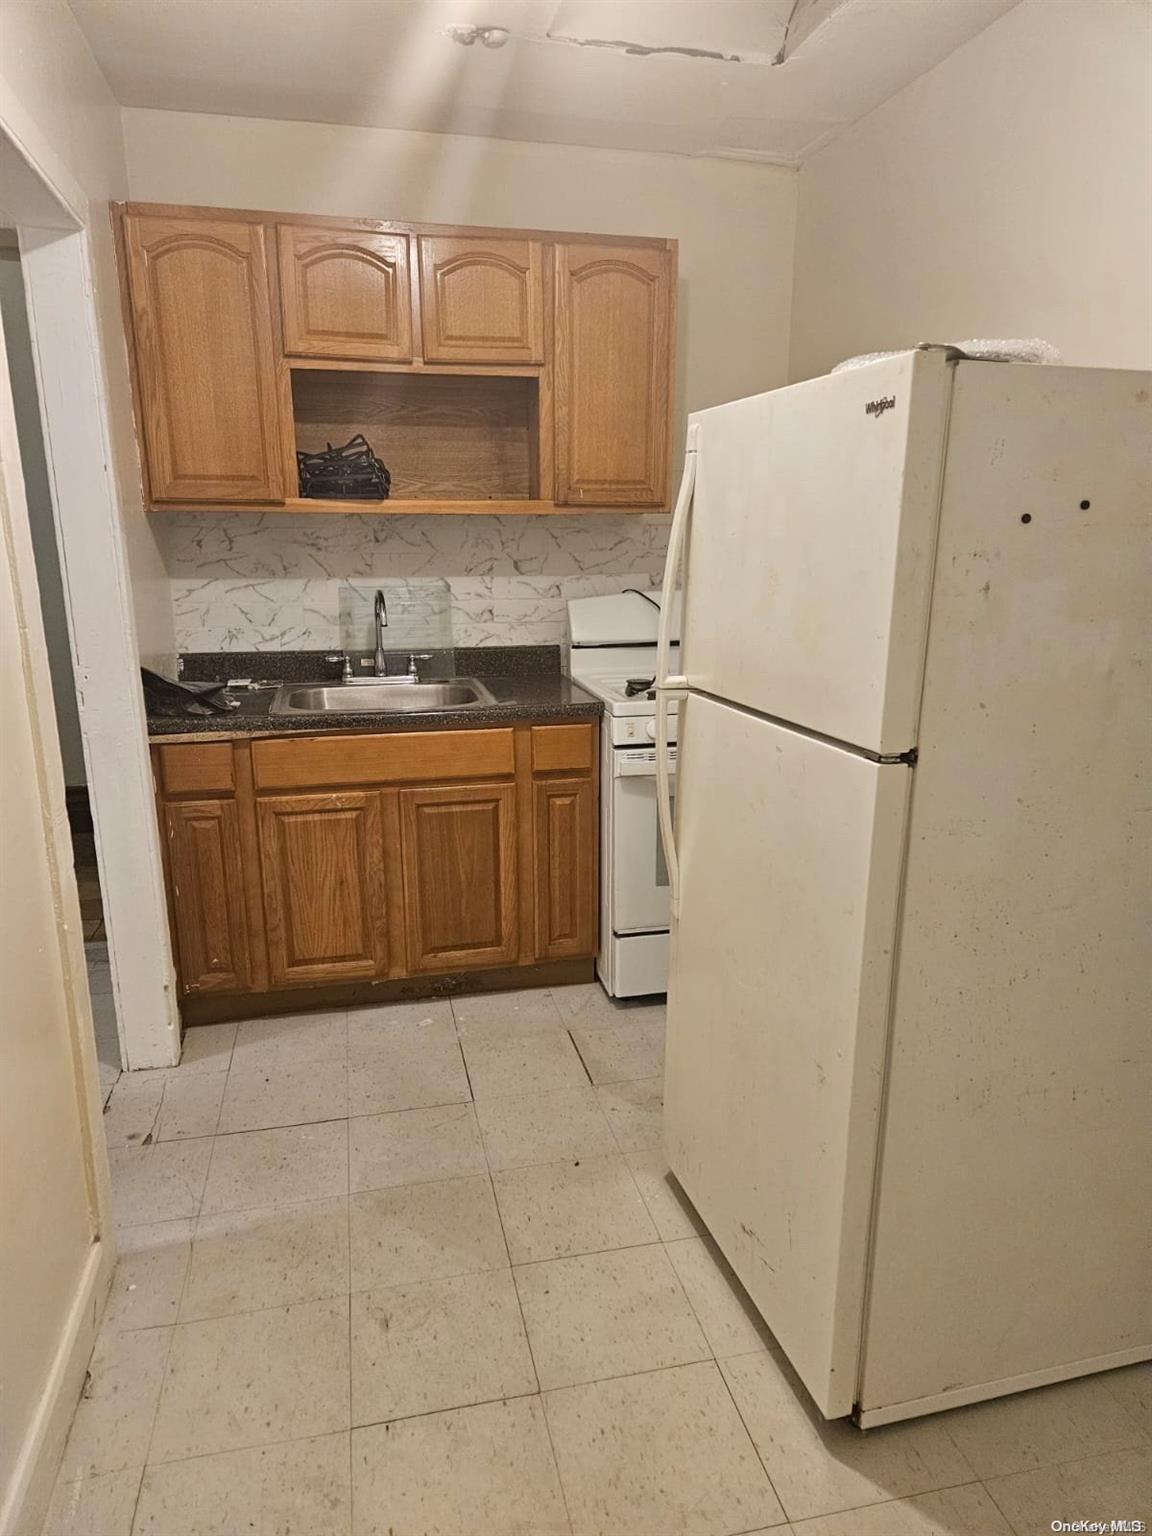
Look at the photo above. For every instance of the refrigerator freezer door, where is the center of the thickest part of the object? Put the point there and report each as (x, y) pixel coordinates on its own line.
(778, 1004)
(810, 549)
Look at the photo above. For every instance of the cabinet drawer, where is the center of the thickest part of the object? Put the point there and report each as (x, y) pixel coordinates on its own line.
(557, 747)
(403, 758)
(200, 769)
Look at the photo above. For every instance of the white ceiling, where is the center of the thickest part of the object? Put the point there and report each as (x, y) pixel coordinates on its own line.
(560, 79)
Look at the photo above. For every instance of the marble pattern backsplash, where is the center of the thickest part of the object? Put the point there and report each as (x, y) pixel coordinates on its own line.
(269, 581)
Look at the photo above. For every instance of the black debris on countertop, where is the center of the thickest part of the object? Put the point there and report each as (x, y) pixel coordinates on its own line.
(526, 682)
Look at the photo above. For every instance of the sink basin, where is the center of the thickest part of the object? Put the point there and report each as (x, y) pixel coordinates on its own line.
(392, 697)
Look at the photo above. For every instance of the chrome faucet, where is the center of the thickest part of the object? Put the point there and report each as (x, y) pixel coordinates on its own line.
(381, 626)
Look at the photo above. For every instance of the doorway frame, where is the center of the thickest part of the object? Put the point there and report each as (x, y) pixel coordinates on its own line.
(52, 217)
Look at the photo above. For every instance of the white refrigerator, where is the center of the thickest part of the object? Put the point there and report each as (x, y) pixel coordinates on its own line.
(909, 1059)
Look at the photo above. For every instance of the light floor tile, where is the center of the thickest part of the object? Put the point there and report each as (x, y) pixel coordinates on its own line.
(590, 1006)
(1117, 1486)
(151, 1266)
(1042, 1427)
(483, 1471)
(254, 1379)
(1131, 1386)
(371, 1029)
(505, 1015)
(289, 1093)
(557, 1209)
(440, 1344)
(279, 1167)
(191, 1105)
(132, 1111)
(525, 1128)
(964, 1511)
(820, 1467)
(607, 1314)
(414, 1146)
(670, 1208)
(207, 1048)
(114, 1418)
(658, 1453)
(722, 1306)
(522, 1063)
(621, 1053)
(421, 1068)
(635, 1111)
(300, 1489)
(295, 1038)
(162, 1182)
(98, 1506)
(246, 1261)
(425, 1232)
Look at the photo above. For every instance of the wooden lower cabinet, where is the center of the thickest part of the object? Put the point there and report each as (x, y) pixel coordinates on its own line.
(206, 895)
(281, 877)
(461, 885)
(324, 889)
(565, 867)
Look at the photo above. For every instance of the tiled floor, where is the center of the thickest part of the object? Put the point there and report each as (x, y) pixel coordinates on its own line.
(103, 1014)
(421, 1271)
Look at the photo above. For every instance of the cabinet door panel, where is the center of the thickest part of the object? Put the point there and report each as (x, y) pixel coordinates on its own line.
(202, 326)
(460, 876)
(344, 293)
(565, 867)
(613, 357)
(482, 300)
(323, 863)
(207, 895)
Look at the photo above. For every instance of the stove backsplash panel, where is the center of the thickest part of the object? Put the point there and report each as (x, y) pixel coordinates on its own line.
(270, 582)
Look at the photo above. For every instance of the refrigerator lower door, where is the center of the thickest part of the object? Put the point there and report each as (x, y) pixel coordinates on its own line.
(778, 1002)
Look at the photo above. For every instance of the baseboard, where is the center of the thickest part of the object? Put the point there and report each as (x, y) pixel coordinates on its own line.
(25, 1500)
(223, 1007)
(960, 1397)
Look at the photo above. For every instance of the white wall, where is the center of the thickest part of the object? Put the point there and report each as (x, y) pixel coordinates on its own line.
(52, 88)
(510, 576)
(1004, 193)
(54, 1265)
(40, 515)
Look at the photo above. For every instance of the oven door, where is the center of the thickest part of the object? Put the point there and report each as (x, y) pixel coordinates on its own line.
(639, 874)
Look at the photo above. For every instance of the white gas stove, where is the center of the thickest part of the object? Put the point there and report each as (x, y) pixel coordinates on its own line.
(612, 655)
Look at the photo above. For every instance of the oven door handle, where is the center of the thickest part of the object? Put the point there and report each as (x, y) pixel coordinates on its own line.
(671, 689)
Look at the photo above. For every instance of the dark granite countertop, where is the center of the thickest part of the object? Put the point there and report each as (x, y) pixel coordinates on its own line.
(525, 681)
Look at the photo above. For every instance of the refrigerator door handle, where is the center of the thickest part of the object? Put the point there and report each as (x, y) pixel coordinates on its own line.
(671, 689)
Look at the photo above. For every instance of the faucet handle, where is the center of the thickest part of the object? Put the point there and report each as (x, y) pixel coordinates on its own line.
(346, 669)
(413, 658)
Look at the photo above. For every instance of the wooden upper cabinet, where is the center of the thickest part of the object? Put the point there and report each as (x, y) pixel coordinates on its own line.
(198, 294)
(614, 314)
(207, 895)
(461, 896)
(345, 294)
(324, 887)
(482, 301)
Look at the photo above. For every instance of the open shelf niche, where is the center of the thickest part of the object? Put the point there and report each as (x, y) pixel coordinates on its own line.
(450, 442)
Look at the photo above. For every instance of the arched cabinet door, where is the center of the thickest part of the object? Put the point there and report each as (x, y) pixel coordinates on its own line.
(344, 294)
(198, 290)
(613, 359)
(481, 300)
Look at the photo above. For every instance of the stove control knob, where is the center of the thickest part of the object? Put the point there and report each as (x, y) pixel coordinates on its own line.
(650, 729)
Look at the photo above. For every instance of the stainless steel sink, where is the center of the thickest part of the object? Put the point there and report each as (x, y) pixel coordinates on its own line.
(394, 696)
